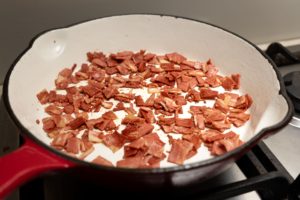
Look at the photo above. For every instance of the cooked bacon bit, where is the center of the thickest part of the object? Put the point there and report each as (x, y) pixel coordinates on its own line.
(213, 81)
(150, 101)
(206, 93)
(133, 162)
(237, 80)
(124, 97)
(165, 121)
(63, 78)
(76, 123)
(163, 79)
(148, 148)
(134, 132)
(194, 139)
(171, 81)
(212, 135)
(147, 114)
(244, 102)
(119, 106)
(220, 125)
(131, 119)
(183, 130)
(95, 136)
(61, 139)
(193, 95)
(139, 101)
(211, 114)
(114, 141)
(109, 115)
(53, 110)
(228, 83)
(107, 105)
(227, 144)
(238, 119)
(99, 160)
(43, 96)
(68, 109)
(48, 124)
(199, 121)
(179, 151)
(175, 57)
(184, 122)
(73, 145)
(110, 92)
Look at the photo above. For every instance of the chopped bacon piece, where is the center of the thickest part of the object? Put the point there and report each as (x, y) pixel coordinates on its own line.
(165, 121)
(212, 135)
(238, 119)
(236, 78)
(227, 144)
(139, 101)
(194, 139)
(150, 101)
(175, 57)
(221, 105)
(179, 151)
(180, 100)
(110, 92)
(109, 115)
(199, 121)
(73, 145)
(99, 62)
(211, 115)
(193, 95)
(53, 110)
(107, 105)
(61, 139)
(147, 114)
(134, 132)
(183, 130)
(119, 106)
(48, 124)
(133, 162)
(162, 79)
(76, 123)
(228, 83)
(131, 119)
(63, 78)
(220, 125)
(95, 136)
(213, 81)
(68, 109)
(186, 122)
(244, 102)
(206, 93)
(43, 96)
(114, 141)
(124, 97)
(99, 160)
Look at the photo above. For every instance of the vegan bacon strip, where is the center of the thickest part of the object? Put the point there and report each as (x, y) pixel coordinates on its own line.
(111, 84)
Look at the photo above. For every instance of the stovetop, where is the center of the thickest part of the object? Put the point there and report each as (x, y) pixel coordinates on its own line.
(269, 168)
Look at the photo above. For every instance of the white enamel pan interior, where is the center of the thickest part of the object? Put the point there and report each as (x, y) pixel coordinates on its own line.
(60, 48)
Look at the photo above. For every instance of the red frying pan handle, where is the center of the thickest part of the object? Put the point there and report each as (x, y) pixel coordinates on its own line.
(25, 163)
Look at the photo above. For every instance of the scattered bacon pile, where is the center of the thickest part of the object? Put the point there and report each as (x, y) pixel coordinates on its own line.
(171, 81)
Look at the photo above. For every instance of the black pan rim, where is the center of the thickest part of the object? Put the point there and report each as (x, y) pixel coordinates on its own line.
(234, 154)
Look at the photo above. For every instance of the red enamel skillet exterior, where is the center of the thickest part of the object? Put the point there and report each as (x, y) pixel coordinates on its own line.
(35, 157)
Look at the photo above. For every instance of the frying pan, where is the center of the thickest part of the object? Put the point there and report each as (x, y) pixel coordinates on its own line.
(53, 50)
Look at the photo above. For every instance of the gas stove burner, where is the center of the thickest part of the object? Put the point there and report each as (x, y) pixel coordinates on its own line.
(292, 85)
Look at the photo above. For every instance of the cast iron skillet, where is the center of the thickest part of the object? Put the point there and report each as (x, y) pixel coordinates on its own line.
(38, 66)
